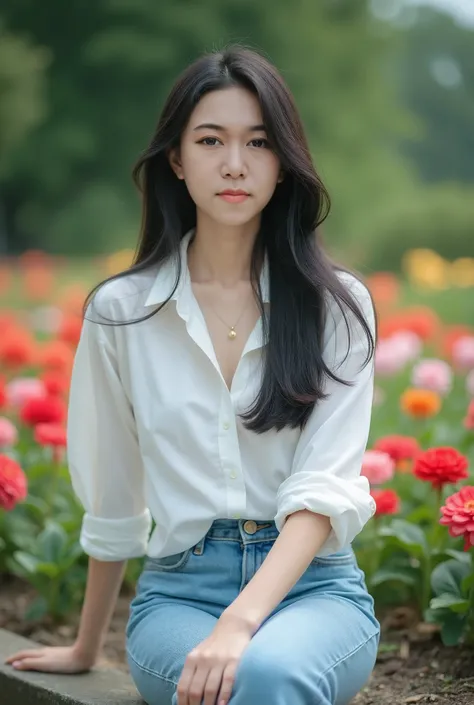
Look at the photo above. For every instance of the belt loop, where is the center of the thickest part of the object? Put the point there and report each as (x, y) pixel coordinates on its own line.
(198, 549)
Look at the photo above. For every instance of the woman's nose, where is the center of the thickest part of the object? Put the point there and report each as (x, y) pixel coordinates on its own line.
(234, 163)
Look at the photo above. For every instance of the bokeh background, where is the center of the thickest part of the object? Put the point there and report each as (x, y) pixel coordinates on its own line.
(385, 88)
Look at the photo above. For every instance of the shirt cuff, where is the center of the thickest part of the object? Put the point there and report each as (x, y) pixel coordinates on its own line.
(115, 539)
(347, 503)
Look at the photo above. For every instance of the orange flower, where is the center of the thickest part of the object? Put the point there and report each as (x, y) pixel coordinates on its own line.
(17, 348)
(56, 382)
(70, 330)
(420, 403)
(420, 320)
(384, 287)
(57, 355)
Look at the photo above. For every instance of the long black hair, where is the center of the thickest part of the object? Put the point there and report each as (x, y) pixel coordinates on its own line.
(302, 276)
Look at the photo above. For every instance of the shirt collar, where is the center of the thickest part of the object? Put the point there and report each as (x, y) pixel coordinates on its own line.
(165, 280)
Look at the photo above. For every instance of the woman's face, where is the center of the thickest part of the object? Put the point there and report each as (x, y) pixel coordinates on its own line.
(224, 148)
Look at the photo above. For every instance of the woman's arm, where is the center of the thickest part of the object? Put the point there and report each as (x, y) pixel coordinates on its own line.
(103, 584)
(299, 541)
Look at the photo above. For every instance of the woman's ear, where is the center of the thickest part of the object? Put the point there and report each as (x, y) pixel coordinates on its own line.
(175, 162)
(281, 176)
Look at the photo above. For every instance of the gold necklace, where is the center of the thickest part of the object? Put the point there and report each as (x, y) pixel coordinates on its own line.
(232, 334)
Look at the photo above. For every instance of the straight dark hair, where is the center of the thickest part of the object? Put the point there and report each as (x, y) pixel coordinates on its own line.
(302, 276)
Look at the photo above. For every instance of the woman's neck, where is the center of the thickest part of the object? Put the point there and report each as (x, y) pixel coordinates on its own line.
(221, 254)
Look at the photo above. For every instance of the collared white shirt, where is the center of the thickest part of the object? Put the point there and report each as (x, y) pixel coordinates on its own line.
(154, 432)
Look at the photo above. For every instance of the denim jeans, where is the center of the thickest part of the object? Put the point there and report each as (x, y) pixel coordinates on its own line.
(318, 647)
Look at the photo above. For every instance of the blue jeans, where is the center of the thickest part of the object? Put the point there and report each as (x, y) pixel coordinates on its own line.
(318, 647)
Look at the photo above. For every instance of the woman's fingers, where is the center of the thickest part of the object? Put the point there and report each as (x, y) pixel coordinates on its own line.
(21, 655)
(33, 663)
(228, 678)
(212, 686)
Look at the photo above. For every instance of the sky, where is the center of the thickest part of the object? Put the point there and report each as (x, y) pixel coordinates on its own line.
(461, 9)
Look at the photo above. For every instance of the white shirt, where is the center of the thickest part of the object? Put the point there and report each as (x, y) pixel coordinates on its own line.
(154, 432)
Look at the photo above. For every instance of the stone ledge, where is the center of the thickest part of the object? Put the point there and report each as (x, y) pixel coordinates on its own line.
(99, 687)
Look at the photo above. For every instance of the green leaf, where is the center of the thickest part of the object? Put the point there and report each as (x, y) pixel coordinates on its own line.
(52, 543)
(51, 570)
(385, 575)
(37, 609)
(452, 629)
(410, 536)
(420, 514)
(467, 583)
(462, 556)
(452, 602)
(28, 562)
(448, 576)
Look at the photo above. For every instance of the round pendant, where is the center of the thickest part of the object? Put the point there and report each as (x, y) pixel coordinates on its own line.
(232, 334)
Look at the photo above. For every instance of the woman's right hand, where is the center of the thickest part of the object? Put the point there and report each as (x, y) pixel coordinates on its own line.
(51, 659)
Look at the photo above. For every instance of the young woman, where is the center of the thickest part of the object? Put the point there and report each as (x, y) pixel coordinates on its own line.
(223, 388)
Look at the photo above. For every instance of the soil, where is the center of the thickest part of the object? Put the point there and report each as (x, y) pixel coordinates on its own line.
(413, 666)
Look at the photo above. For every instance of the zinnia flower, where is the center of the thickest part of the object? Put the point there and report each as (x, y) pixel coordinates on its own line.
(387, 359)
(386, 502)
(469, 419)
(70, 330)
(56, 383)
(377, 467)
(22, 389)
(3, 393)
(441, 466)
(13, 484)
(433, 374)
(458, 514)
(420, 403)
(57, 355)
(52, 435)
(8, 433)
(48, 409)
(17, 349)
(402, 449)
(463, 352)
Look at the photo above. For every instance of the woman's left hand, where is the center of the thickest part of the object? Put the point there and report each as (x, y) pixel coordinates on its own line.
(209, 670)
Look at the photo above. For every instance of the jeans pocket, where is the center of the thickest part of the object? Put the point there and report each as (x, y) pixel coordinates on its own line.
(168, 564)
(335, 559)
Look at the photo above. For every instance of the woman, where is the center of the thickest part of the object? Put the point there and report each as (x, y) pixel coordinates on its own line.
(223, 387)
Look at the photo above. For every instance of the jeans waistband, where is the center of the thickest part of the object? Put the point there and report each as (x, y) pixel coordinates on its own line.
(242, 530)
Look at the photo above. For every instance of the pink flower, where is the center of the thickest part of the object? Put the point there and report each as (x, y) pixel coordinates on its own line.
(8, 433)
(463, 352)
(469, 418)
(377, 467)
(470, 383)
(458, 515)
(22, 389)
(409, 344)
(432, 374)
(393, 353)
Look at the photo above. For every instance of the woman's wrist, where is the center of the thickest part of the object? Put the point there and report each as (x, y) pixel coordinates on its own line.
(240, 619)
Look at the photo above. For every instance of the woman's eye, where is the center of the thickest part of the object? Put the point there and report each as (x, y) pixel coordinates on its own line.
(209, 141)
(260, 142)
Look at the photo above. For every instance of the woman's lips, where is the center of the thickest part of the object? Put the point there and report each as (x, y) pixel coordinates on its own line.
(234, 197)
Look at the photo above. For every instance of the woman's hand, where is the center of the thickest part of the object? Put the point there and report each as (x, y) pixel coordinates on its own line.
(51, 659)
(209, 671)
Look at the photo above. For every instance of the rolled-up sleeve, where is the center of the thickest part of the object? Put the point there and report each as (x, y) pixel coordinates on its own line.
(103, 453)
(326, 472)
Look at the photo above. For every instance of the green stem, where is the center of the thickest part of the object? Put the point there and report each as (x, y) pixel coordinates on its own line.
(470, 614)
(426, 584)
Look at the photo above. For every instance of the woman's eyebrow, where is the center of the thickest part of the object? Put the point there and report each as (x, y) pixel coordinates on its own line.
(219, 128)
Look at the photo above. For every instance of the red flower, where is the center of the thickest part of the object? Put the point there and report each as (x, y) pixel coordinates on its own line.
(458, 514)
(46, 409)
(13, 484)
(469, 418)
(56, 383)
(386, 502)
(402, 449)
(441, 466)
(70, 330)
(3, 393)
(50, 434)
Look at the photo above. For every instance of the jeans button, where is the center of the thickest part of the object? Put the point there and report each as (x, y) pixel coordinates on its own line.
(250, 527)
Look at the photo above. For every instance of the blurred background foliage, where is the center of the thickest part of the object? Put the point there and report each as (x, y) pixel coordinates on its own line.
(386, 93)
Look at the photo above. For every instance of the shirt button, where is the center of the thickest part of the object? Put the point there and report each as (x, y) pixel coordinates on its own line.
(226, 425)
(233, 475)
